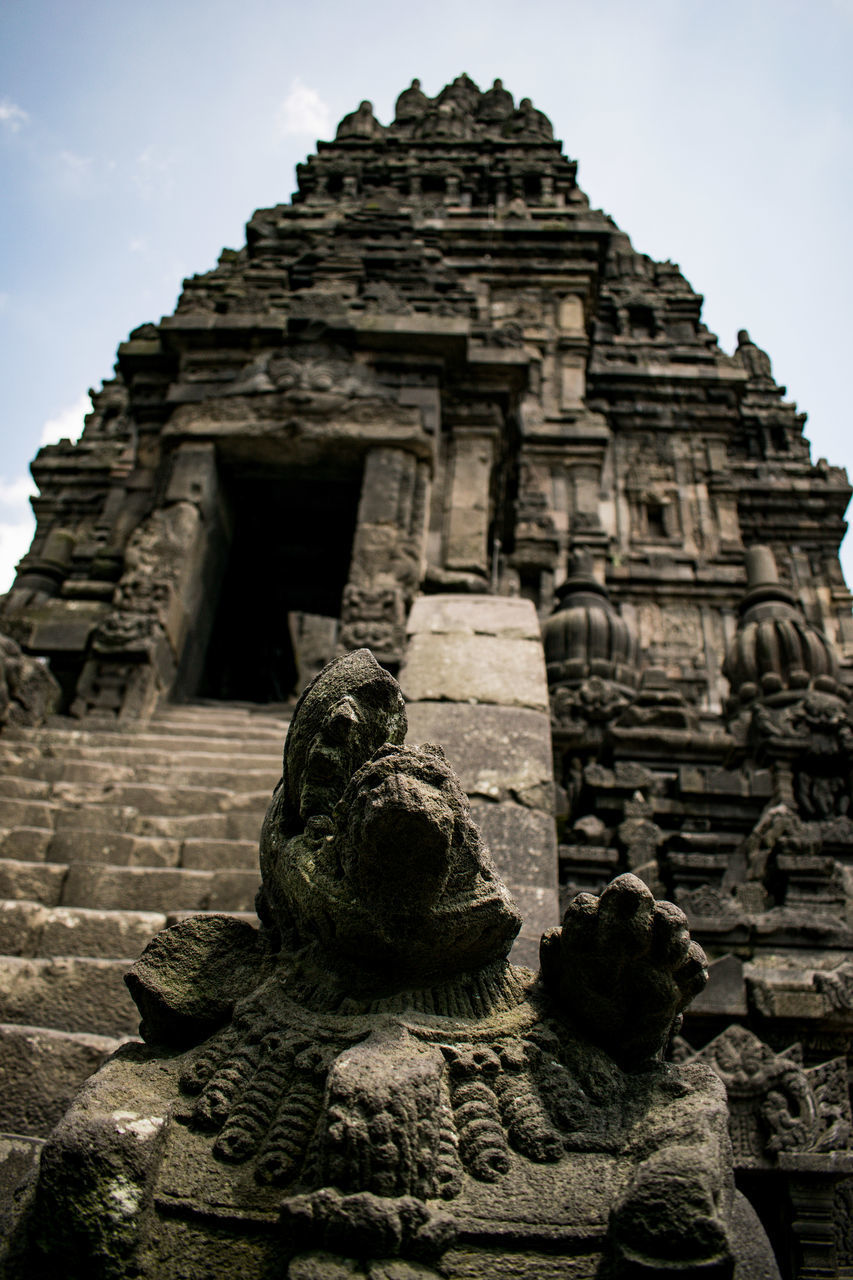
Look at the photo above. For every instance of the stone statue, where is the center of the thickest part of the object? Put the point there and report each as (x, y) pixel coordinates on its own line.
(411, 104)
(367, 1087)
(463, 95)
(754, 360)
(360, 124)
(527, 122)
(496, 104)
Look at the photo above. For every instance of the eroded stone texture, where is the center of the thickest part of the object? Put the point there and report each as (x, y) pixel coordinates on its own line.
(751, 834)
(367, 1086)
(475, 681)
(28, 691)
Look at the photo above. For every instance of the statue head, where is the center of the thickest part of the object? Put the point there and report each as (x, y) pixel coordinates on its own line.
(347, 711)
(369, 855)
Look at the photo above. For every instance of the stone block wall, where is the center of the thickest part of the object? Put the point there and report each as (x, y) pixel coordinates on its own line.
(474, 678)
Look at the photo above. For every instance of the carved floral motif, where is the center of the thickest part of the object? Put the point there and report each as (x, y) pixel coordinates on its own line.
(593, 701)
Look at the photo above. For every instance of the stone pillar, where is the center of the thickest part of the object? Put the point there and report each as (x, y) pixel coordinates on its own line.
(474, 678)
(388, 552)
(469, 501)
(136, 650)
(812, 1180)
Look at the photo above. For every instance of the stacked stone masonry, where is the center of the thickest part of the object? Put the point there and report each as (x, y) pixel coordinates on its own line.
(440, 407)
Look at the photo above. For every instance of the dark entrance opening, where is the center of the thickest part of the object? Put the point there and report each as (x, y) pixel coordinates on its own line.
(290, 553)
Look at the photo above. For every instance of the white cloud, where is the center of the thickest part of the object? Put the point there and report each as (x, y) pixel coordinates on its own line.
(11, 115)
(15, 542)
(304, 112)
(68, 423)
(74, 172)
(152, 172)
(16, 493)
(77, 165)
(17, 527)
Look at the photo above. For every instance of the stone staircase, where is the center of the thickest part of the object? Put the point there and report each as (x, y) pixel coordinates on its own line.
(107, 835)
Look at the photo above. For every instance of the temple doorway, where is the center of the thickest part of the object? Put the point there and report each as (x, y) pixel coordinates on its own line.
(286, 568)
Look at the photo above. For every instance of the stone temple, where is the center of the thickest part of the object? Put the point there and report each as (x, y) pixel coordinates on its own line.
(438, 407)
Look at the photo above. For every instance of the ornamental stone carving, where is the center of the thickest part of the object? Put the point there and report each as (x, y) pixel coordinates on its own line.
(366, 1086)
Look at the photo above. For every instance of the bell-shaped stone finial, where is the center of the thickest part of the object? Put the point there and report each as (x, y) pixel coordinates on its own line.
(775, 651)
(586, 635)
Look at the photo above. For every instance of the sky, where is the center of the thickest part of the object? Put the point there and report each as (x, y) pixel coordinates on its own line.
(136, 140)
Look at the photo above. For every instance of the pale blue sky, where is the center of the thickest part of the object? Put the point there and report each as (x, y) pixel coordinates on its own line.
(137, 139)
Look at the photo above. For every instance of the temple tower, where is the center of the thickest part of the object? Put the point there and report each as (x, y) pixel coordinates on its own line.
(440, 407)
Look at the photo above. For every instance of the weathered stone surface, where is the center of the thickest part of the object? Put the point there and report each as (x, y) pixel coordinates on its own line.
(67, 993)
(367, 1080)
(189, 979)
(159, 888)
(41, 1071)
(33, 881)
(523, 841)
(25, 844)
(474, 669)
(212, 855)
(82, 844)
(725, 994)
(28, 691)
(503, 750)
(538, 906)
(499, 753)
(29, 929)
(474, 615)
(19, 1157)
(26, 813)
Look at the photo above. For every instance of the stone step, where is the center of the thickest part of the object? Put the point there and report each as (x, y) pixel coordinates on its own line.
(33, 881)
(14, 787)
(236, 825)
(118, 888)
(27, 813)
(235, 817)
(225, 712)
(30, 844)
(34, 779)
(31, 930)
(142, 797)
(84, 844)
(107, 836)
(26, 844)
(186, 770)
(68, 993)
(160, 889)
(249, 727)
(268, 743)
(215, 855)
(40, 1072)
